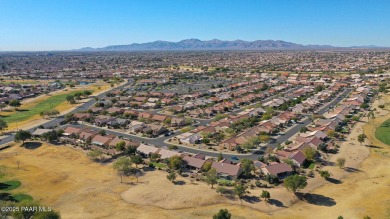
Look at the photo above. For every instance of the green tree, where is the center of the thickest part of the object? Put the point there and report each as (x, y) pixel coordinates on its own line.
(361, 138)
(332, 134)
(120, 146)
(364, 106)
(205, 140)
(22, 135)
(15, 103)
(222, 190)
(168, 121)
(171, 176)
(95, 154)
(355, 118)
(239, 191)
(78, 95)
(310, 153)
(247, 166)
(222, 214)
(102, 132)
(289, 162)
(154, 156)
(136, 159)
(340, 162)
(319, 88)
(206, 166)
(3, 125)
(70, 99)
(303, 129)
(175, 162)
(295, 182)
(87, 93)
(50, 136)
(265, 195)
(211, 177)
(264, 138)
(220, 156)
(123, 166)
(2, 106)
(325, 174)
(219, 137)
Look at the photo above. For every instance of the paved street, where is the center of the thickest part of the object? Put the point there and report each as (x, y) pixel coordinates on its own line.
(160, 141)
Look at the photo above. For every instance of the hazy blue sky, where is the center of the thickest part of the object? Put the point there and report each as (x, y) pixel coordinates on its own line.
(69, 24)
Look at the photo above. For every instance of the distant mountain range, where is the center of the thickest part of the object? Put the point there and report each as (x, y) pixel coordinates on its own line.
(215, 44)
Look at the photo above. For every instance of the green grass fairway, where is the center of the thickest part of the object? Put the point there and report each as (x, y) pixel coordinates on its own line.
(9, 185)
(21, 197)
(159, 165)
(382, 133)
(48, 104)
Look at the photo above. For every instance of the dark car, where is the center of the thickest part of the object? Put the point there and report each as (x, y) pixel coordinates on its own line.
(168, 134)
(258, 152)
(235, 158)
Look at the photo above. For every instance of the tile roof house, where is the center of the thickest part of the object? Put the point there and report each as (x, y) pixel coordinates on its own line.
(116, 140)
(312, 140)
(136, 126)
(157, 129)
(87, 135)
(166, 154)
(115, 110)
(101, 140)
(72, 130)
(177, 121)
(147, 150)
(102, 120)
(144, 115)
(82, 116)
(159, 118)
(227, 170)
(319, 134)
(194, 162)
(230, 143)
(278, 169)
(298, 158)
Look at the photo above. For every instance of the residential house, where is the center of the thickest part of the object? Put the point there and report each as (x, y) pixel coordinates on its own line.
(136, 126)
(101, 140)
(278, 169)
(175, 121)
(147, 150)
(166, 154)
(193, 162)
(227, 170)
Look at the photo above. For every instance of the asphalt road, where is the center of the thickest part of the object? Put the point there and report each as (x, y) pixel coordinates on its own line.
(281, 138)
(160, 141)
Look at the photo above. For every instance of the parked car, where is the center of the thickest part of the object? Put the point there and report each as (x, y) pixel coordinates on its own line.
(235, 158)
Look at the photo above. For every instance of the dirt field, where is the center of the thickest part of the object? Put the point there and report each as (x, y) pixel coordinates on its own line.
(64, 178)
